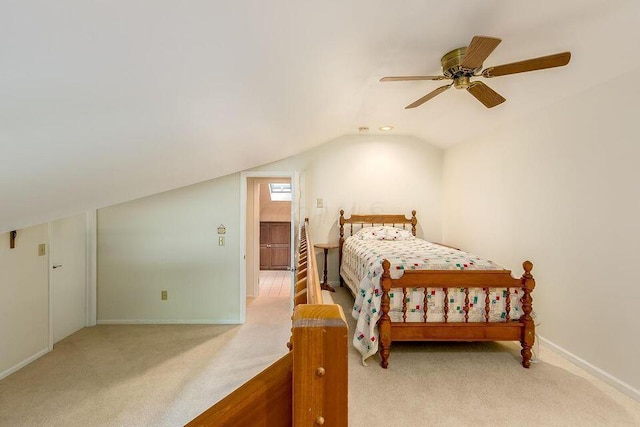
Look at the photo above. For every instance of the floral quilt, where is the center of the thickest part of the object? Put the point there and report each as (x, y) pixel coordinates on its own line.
(362, 261)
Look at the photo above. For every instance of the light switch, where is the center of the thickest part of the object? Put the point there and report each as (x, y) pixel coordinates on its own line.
(221, 241)
(319, 203)
(42, 249)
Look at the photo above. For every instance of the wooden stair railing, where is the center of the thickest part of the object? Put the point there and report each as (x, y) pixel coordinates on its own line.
(307, 386)
(308, 290)
(264, 400)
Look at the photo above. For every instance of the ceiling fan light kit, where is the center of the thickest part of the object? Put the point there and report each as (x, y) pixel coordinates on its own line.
(465, 63)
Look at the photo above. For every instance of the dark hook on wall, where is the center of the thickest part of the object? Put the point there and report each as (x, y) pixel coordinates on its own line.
(12, 239)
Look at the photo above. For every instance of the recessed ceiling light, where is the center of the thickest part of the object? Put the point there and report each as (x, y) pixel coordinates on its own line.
(385, 128)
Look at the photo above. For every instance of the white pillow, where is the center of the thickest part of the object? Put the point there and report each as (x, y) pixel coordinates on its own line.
(383, 233)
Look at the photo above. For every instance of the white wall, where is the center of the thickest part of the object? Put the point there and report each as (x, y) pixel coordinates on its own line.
(561, 189)
(369, 174)
(169, 241)
(24, 299)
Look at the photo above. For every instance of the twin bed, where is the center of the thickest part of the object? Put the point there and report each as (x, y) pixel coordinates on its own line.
(408, 289)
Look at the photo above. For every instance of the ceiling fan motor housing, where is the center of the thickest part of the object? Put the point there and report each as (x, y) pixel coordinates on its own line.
(451, 68)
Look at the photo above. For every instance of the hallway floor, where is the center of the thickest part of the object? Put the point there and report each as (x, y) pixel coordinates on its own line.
(275, 283)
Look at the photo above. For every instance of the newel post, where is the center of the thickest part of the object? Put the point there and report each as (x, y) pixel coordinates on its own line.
(529, 330)
(320, 338)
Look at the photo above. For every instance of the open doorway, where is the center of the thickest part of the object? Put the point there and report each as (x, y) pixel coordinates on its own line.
(269, 233)
(273, 213)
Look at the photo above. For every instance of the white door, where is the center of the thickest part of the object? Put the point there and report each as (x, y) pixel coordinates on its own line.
(68, 276)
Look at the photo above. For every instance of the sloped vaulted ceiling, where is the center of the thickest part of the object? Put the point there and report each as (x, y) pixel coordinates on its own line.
(106, 101)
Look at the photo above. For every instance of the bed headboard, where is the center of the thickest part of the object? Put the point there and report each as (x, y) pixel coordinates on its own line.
(371, 220)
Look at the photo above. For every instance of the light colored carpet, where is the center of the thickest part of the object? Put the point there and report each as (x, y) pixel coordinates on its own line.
(477, 384)
(167, 374)
(144, 375)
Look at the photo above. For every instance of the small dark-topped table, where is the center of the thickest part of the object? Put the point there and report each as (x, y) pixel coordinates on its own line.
(325, 247)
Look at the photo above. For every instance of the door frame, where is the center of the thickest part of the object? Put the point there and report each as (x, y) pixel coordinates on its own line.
(91, 282)
(91, 246)
(244, 176)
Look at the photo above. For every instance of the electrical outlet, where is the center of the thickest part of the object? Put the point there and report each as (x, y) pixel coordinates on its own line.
(221, 241)
(163, 295)
(42, 249)
(319, 203)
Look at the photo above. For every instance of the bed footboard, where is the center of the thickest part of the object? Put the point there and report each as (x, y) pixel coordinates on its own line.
(522, 329)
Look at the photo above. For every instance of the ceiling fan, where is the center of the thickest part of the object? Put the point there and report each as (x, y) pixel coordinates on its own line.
(461, 64)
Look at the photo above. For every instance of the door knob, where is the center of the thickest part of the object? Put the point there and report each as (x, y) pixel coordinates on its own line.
(57, 266)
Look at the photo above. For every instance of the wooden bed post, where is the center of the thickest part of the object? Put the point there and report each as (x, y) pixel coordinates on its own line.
(414, 222)
(384, 324)
(529, 330)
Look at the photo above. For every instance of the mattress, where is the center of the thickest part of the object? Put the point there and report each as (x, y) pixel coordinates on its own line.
(362, 267)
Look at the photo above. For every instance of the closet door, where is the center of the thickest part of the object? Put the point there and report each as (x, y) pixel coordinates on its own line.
(275, 245)
(68, 276)
(280, 246)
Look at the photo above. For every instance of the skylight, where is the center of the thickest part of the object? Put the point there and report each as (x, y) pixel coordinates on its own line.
(280, 191)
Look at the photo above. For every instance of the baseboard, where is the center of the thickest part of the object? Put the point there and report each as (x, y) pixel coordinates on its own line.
(24, 363)
(169, 322)
(613, 381)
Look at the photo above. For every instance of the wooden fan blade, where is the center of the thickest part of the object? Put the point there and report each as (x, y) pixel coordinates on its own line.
(550, 61)
(478, 50)
(410, 78)
(428, 96)
(485, 94)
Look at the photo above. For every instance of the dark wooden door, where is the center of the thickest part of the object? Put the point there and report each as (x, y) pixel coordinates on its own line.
(275, 245)
(265, 253)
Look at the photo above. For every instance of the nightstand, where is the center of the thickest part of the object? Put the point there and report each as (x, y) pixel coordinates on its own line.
(325, 247)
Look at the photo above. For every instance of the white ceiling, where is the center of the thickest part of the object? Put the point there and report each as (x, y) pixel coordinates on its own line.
(106, 101)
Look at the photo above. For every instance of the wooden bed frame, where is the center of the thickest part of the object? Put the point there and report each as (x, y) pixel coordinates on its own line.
(522, 329)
